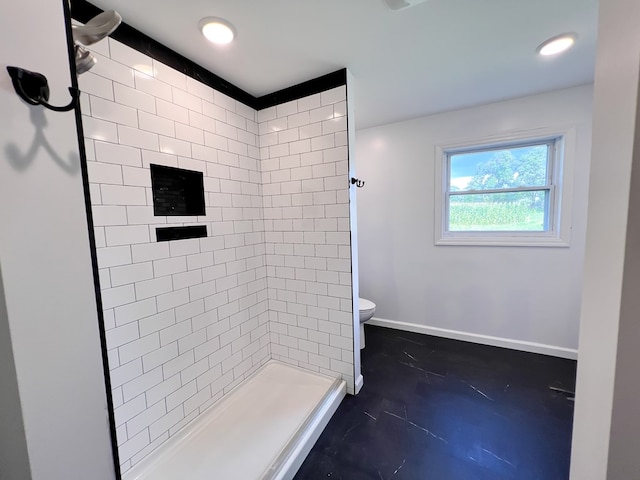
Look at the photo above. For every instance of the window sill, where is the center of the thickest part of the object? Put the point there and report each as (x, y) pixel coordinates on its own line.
(483, 240)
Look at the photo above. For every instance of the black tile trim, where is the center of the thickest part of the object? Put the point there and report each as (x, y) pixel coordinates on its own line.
(310, 87)
(92, 247)
(167, 234)
(83, 11)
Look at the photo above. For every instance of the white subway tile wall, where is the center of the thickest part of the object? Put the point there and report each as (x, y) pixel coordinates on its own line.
(305, 184)
(188, 320)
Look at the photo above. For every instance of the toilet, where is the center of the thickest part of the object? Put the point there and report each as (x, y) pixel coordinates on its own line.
(367, 309)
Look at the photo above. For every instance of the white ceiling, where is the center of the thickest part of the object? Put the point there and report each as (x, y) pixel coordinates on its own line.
(437, 56)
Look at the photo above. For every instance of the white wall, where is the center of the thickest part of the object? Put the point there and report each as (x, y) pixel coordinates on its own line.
(607, 417)
(522, 297)
(46, 266)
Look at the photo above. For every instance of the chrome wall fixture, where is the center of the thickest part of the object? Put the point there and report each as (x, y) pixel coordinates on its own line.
(93, 31)
(33, 87)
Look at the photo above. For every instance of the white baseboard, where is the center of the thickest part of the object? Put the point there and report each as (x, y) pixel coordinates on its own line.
(532, 347)
(359, 383)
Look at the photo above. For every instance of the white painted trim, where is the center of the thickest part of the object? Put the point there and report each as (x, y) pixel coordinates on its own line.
(521, 345)
(359, 383)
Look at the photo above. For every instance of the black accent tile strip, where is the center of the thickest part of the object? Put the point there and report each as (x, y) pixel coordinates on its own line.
(310, 87)
(92, 247)
(83, 11)
(166, 234)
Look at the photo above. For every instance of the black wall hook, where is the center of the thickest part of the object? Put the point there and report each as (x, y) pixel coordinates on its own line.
(33, 88)
(358, 183)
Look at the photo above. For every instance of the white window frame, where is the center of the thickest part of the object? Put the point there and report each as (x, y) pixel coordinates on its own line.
(559, 185)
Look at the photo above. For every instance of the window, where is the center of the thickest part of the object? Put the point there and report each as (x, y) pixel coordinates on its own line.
(502, 193)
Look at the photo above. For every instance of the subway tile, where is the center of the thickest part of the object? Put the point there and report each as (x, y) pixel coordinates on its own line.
(189, 134)
(172, 300)
(184, 247)
(322, 143)
(93, 84)
(157, 158)
(199, 89)
(160, 356)
(310, 131)
(163, 389)
(123, 195)
(156, 323)
(135, 311)
(178, 364)
(139, 347)
(136, 177)
(99, 129)
(151, 251)
(310, 102)
(113, 112)
(143, 215)
(117, 154)
(192, 404)
(334, 125)
(146, 418)
(119, 336)
(128, 56)
(141, 384)
(176, 413)
(109, 215)
(133, 98)
(114, 297)
(129, 410)
(180, 395)
(115, 71)
(135, 137)
(187, 100)
(214, 111)
(156, 124)
(116, 236)
(131, 273)
(224, 101)
(335, 95)
(170, 266)
(172, 111)
(169, 75)
(187, 279)
(125, 373)
(149, 85)
(134, 445)
(175, 146)
(153, 287)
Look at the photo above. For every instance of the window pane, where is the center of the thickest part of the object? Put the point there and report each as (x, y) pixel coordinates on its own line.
(503, 168)
(513, 211)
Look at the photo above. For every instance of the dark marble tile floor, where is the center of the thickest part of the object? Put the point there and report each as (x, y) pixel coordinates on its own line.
(438, 409)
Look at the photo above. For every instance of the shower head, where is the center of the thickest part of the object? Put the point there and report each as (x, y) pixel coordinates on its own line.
(84, 60)
(97, 28)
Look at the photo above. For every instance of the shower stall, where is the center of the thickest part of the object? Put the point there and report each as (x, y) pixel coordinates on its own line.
(225, 246)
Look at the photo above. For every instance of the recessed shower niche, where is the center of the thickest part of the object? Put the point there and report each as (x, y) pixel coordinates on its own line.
(177, 192)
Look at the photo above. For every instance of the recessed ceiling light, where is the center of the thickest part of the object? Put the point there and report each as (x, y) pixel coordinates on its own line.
(217, 30)
(557, 44)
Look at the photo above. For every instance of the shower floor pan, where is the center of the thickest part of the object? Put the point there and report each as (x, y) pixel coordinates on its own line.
(262, 430)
